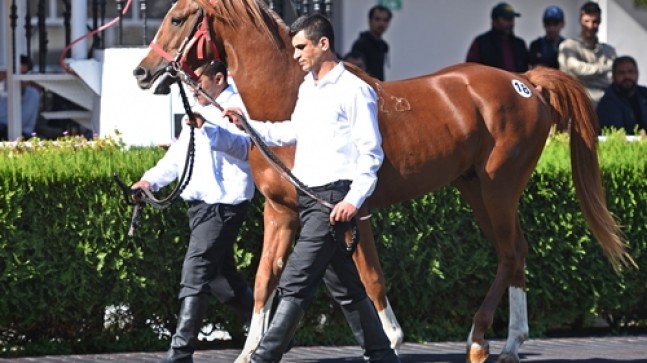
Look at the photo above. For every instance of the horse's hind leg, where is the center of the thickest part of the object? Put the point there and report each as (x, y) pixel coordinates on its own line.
(370, 271)
(496, 215)
(518, 323)
(280, 225)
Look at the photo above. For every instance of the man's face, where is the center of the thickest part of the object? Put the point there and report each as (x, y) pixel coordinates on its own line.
(307, 53)
(210, 86)
(379, 22)
(625, 77)
(504, 25)
(553, 28)
(590, 24)
(24, 68)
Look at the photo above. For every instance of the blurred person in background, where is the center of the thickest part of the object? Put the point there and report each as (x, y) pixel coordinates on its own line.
(544, 50)
(499, 47)
(584, 57)
(624, 103)
(29, 103)
(371, 44)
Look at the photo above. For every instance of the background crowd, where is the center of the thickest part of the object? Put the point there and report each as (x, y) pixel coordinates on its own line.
(610, 81)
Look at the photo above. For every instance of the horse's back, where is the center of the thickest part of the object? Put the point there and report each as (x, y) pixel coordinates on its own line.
(437, 127)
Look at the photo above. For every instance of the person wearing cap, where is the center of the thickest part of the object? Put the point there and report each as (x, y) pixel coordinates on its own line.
(499, 47)
(29, 103)
(543, 50)
(585, 57)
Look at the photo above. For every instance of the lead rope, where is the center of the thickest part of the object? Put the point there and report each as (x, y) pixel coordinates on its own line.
(141, 196)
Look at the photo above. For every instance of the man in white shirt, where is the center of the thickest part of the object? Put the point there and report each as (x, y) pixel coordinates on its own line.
(218, 195)
(338, 153)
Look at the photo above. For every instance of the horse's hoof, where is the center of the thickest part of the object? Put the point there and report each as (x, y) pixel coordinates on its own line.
(508, 358)
(478, 353)
(243, 358)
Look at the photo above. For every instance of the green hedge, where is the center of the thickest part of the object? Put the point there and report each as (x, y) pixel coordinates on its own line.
(65, 255)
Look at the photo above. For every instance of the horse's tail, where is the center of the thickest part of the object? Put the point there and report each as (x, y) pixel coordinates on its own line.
(570, 103)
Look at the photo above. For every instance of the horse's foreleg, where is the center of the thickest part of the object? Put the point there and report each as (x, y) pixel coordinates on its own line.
(370, 271)
(280, 225)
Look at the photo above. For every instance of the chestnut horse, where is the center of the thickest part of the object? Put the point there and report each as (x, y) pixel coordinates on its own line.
(479, 128)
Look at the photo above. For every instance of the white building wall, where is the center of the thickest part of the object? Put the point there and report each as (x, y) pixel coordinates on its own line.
(426, 35)
(628, 35)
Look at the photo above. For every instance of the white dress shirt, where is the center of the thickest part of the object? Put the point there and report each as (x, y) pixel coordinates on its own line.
(221, 172)
(334, 126)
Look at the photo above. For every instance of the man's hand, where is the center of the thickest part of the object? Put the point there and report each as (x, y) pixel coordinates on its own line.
(142, 184)
(342, 212)
(199, 120)
(235, 115)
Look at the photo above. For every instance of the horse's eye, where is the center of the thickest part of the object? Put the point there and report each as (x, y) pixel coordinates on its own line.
(177, 21)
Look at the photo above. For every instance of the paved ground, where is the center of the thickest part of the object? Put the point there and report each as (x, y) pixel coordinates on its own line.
(631, 349)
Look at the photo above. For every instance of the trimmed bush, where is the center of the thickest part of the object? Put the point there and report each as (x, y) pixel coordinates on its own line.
(65, 256)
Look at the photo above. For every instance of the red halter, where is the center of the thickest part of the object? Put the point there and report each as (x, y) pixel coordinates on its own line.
(201, 35)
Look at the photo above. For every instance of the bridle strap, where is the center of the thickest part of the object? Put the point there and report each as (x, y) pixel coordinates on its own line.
(203, 35)
(176, 62)
(199, 36)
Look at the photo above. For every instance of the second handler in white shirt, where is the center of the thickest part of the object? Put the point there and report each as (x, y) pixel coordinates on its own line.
(218, 195)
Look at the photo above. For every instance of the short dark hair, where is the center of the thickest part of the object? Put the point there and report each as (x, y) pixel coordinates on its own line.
(620, 60)
(24, 59)
(315, 26)
(214, 68)
(590, 8)
(379, 8)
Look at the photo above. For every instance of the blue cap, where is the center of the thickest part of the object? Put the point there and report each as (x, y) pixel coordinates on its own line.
(553, 13)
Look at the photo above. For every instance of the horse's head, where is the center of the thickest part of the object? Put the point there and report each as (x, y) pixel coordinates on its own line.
(184, 42)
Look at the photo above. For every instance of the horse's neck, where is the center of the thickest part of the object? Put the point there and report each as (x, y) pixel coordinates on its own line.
(265, 74)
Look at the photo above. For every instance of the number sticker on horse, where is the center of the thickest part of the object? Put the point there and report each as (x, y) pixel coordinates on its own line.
(521, 88)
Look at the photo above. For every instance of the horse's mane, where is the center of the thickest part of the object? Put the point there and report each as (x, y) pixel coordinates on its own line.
(375, 83)
(239, 13)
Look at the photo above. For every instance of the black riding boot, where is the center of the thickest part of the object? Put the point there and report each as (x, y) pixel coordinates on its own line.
(365, 324)
(277, 338)
(192, 310)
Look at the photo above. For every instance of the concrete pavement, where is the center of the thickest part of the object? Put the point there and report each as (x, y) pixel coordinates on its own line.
(626, 349)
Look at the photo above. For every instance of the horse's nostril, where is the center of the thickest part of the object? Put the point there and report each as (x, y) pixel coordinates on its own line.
(140, 73)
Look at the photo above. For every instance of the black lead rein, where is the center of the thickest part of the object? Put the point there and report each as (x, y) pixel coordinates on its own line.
(141, 196)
